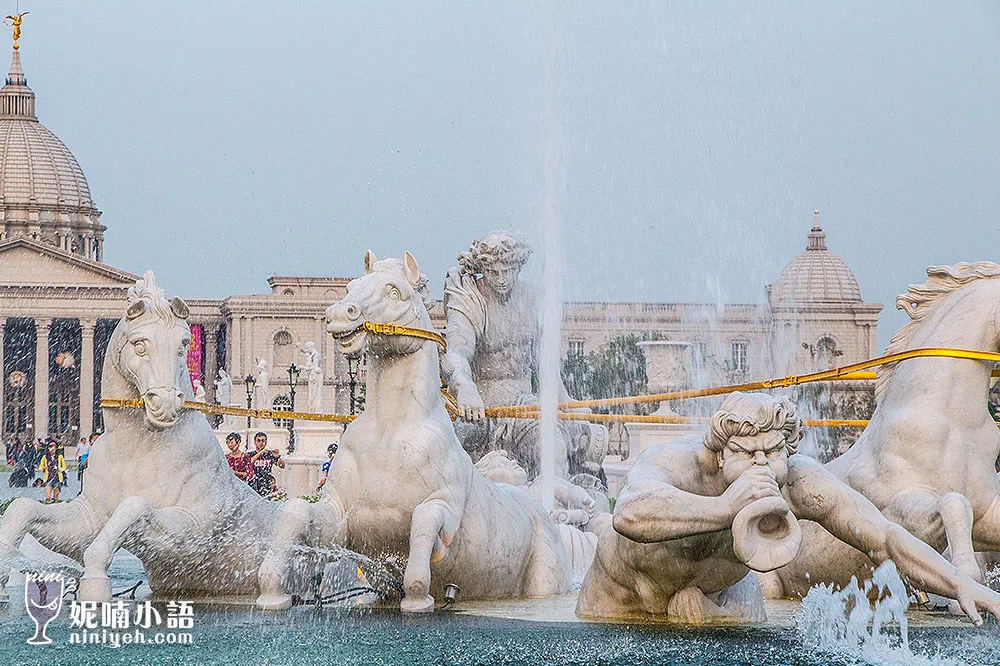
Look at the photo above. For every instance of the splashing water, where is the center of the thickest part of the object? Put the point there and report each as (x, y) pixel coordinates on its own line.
(554, 262)
(843, 622)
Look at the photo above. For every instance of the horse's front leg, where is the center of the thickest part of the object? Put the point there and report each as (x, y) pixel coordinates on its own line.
(130, 517)
(291, 529)
(432, 528)
(64, 528)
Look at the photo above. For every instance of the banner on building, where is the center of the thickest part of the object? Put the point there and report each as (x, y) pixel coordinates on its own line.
(196, 352)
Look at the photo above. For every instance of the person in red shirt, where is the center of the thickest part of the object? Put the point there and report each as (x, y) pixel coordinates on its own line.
(239, 462)
(263, 460)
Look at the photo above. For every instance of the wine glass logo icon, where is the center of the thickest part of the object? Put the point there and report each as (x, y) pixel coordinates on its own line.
(43, 601)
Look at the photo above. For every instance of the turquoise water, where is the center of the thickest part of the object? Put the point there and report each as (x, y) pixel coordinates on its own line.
(372, 638)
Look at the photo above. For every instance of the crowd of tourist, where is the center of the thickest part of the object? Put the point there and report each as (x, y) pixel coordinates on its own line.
(42, 463)
(255, 469)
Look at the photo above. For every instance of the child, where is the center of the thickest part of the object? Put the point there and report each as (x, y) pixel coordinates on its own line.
(325, 469)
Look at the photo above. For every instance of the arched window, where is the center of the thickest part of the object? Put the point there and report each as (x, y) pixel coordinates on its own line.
(827, 352)
(284, 349)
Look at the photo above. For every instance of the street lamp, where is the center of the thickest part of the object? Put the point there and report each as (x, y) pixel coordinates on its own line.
(293, 378)
(352, 373)
(251, 383)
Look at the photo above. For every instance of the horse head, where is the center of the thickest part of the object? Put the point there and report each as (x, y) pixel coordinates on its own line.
(392, 291)
(149, 350)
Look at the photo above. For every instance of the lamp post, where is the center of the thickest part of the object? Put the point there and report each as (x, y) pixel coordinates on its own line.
(293, 378)
(251, 383)
(352, 373)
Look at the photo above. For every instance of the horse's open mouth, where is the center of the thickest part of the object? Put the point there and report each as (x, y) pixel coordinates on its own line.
(349, 341)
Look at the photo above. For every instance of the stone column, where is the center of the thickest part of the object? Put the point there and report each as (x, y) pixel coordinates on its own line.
(210, 333)
(3, 373)
(86, 377)
(41, 423)
(234, 349)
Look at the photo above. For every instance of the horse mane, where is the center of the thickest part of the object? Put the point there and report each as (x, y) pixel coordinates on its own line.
(920, 299)
(145, 289)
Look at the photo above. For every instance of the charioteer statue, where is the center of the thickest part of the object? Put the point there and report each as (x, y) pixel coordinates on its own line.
(493, 331)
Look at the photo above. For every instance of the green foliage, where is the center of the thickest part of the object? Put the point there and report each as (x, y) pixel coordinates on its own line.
(615, 369)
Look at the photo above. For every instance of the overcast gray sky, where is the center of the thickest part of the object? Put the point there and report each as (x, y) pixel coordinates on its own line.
(229, 141)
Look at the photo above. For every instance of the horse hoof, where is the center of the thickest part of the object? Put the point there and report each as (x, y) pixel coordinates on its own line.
(274, 601)
(424, 604)
(95, 588)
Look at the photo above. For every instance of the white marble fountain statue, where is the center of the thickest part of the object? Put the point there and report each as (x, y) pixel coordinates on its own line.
(493, 331)
(401, 484)
(699, 514)
(157, 481)
(927, 458)
(696, 520)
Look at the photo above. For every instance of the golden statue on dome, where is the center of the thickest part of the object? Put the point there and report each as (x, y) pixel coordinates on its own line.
(15, 22)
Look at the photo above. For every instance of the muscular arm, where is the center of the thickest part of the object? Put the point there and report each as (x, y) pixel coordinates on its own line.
(461, 349)
(815, 494)
(651, 509)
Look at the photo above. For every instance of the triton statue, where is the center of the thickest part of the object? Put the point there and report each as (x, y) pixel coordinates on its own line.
(698, 514)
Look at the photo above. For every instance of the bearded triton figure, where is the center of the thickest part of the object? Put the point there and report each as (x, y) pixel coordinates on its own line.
(493, 331)
(698, 514)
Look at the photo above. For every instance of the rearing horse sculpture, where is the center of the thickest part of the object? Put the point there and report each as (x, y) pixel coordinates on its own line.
(157, 481)
(401, 484)
(927, 457)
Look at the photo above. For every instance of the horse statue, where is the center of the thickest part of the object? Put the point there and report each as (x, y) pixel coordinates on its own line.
(927, 457)
(401, 483)
(157, 481)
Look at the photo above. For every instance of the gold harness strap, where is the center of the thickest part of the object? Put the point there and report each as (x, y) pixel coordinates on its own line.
(394, 329)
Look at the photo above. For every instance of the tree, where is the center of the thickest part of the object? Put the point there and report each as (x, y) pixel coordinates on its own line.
(615, 369)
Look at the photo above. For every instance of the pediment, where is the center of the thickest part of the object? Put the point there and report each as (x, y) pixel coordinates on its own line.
(25, 263)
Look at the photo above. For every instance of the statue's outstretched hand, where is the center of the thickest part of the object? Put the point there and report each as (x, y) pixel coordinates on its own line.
(973, 597)
(754, 484)
(470, 405)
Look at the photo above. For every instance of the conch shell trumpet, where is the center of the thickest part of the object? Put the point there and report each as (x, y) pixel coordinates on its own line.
(766, 535)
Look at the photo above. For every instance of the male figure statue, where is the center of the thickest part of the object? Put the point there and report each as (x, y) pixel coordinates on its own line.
(262, 389)
(224, 394)
(698, 513)
(313, 369)
(493, 331)
(223, 388)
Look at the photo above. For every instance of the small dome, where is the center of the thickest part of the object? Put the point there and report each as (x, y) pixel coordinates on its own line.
(816, 276)
(43, 192)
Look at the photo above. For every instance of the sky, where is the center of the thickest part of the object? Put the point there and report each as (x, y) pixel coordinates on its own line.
(680, 147)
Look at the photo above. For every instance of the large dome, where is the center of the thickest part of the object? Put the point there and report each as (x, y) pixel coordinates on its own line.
(816, 276)
(43, 192)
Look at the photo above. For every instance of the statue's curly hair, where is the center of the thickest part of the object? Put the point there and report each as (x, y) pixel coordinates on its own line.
(496, 246)
(743, 414)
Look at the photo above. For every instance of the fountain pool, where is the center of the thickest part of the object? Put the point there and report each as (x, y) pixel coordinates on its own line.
(533, 631)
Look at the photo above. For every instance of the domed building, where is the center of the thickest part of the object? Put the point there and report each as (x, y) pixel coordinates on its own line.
(60, 301)
(44, 195)
(818, 316)
(816, 276)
